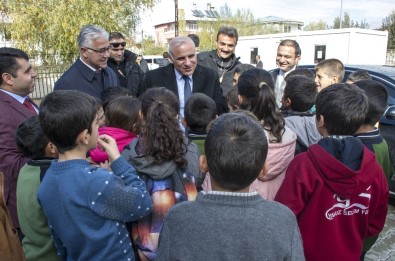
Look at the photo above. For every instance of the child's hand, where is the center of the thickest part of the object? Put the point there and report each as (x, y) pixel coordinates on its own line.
(110, 146)
(105, 165)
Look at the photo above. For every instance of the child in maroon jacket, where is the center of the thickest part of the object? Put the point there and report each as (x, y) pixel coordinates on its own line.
(336, 189)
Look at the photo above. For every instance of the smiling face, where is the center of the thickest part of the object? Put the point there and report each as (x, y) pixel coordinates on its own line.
(183, 57)
(286, 58)
(323, 79)
(23, 83)
(226, 46)
(97, 54)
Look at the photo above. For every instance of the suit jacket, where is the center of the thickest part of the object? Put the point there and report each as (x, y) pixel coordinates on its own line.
(12, 160)
(274, 73)
(259, 64)
(81, 78)
(205, 81)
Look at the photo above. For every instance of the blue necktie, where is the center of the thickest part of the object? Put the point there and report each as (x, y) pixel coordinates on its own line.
(187, 88)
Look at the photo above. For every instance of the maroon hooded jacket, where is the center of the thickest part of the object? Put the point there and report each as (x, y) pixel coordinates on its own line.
(339, 194)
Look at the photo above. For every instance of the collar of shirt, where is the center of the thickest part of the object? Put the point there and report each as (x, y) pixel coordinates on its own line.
(281, 72)
(15, 96)
(93, 69)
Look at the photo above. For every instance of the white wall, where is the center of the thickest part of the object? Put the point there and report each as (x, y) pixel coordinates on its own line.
(351, 46)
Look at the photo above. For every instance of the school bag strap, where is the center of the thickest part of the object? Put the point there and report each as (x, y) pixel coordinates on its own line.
(10, 246)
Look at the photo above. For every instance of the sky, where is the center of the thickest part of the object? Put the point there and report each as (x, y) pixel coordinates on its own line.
(306, 10)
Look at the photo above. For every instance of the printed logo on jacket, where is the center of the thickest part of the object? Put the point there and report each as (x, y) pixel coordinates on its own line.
(348, 207)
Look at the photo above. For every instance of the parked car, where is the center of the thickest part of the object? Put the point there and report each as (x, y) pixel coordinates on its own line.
(153, 61)
(383, 74)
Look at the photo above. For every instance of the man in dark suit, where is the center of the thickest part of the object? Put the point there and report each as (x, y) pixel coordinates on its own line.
(90, 73)
(287, 58)
(259, 63)
(16, 83)
(184, 76)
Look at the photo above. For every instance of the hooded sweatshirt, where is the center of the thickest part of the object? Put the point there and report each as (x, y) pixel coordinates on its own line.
(168, 185)
(279, 156)
(121, 136)
(305, 129)
(338, 192)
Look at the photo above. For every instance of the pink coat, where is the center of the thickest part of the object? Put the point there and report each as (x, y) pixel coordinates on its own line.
(122, 137)
(278, 158)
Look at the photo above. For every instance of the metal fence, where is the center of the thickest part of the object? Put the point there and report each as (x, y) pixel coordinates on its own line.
(46, 78)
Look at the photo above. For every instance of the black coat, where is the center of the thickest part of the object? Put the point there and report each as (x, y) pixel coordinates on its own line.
(205, 81)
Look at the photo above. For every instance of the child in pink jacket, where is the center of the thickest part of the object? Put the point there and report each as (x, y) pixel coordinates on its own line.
(122, 123)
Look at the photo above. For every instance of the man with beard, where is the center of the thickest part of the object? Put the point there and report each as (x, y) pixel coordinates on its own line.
(90, 73)
(222, 60)
(16, 83)
(123, 62)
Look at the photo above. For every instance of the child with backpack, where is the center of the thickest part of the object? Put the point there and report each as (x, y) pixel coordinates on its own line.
(165, 160)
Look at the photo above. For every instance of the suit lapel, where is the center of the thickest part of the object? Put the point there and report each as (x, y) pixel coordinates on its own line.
(169, 79)
(17, 106)
(198, 80)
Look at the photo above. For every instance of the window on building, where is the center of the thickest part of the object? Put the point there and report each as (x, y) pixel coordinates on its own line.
(287, 28)
(253, 54)
(192, 26)
(319, 53)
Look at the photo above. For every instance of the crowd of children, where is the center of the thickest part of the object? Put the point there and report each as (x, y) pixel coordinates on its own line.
(120, 180)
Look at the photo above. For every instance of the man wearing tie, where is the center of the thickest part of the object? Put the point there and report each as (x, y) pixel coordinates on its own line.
(16, 83)
(287, 58)
(184, 76)
(90, 73)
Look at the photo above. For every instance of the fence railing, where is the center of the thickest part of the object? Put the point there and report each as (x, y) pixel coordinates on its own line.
(46, 78)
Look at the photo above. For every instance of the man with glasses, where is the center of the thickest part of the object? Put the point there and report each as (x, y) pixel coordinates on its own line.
(223, 60)
(124, 64)
(90, 73)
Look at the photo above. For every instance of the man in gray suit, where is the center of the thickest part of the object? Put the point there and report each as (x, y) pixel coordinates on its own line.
(184, 76)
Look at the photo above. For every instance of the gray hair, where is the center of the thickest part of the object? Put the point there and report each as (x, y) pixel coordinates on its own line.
(89, 33)
(177, 42)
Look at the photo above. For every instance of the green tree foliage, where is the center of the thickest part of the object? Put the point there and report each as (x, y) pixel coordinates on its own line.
(243, 20)
(314, 26)
(51, 27)
(150, 48)
(348, 23)
(388, 24)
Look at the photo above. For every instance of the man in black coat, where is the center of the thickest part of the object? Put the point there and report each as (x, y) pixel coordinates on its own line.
(123, 63)
(223, 59)
(184, 76)
(90, 73)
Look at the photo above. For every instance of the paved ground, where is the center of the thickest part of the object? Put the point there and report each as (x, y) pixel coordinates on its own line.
(384, 248)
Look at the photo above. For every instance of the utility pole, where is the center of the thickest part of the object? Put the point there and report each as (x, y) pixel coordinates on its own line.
(176, 18)
(341, 14)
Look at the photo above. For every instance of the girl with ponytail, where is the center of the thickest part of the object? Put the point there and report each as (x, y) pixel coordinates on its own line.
(165, 161)
(256, 94)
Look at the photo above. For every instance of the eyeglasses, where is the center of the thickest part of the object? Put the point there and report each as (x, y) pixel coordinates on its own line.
(101, 51)
(116, 45)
